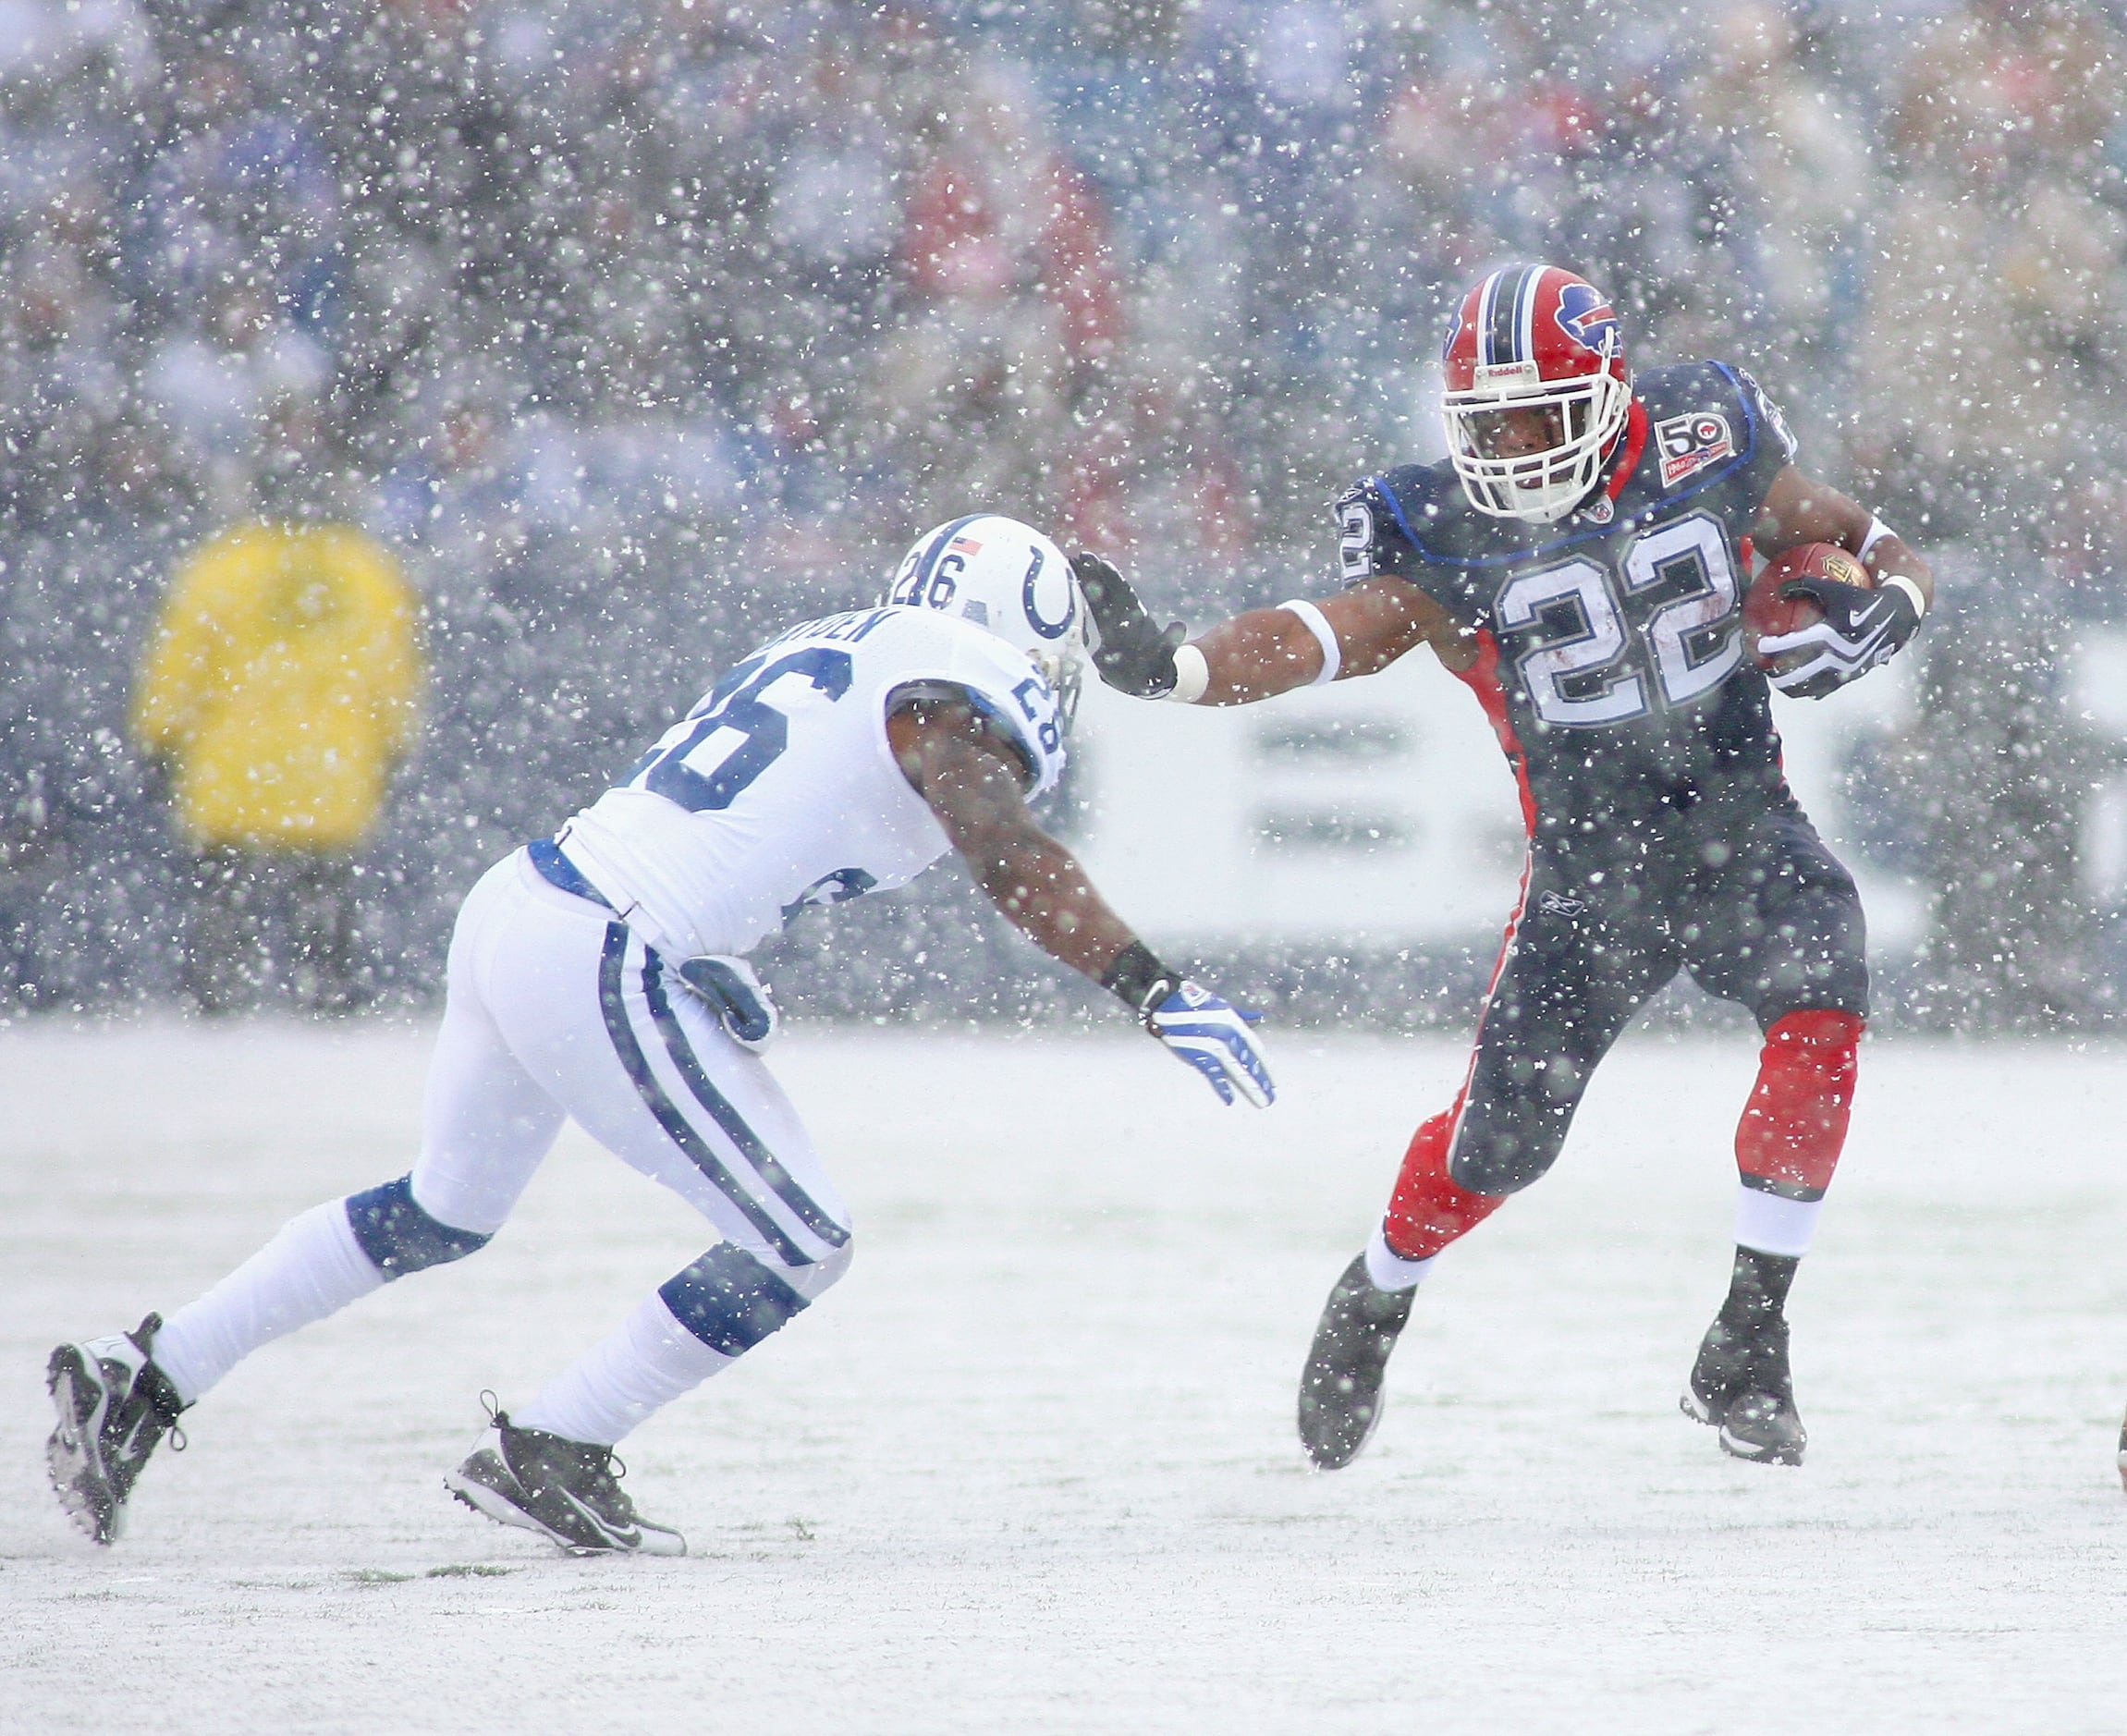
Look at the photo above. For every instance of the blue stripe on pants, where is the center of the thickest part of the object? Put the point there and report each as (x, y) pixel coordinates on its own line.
(779, 1180)
(613, 1004)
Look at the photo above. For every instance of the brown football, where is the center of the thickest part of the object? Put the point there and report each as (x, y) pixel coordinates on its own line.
(1767, 614)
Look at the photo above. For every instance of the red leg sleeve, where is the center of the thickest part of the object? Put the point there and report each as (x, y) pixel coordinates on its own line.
(1428, 1210)
(1795, 1122)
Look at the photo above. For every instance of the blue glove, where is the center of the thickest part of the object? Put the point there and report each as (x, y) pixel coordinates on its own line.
(1213, 1038)
(1861, 628)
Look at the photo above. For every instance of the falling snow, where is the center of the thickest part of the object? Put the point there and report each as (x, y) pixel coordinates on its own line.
(630, 331)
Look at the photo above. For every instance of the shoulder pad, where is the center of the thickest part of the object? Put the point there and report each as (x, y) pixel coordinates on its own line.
(1686, 385)
(1006, 688)
(1753, 396)
(1706, 420)
(1388, 519)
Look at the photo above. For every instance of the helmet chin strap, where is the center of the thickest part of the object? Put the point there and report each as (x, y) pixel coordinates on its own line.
(1623, 454)
(1065, 677)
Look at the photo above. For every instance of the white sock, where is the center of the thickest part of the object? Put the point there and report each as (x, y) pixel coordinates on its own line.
(313, 1268)
(615, 1385)
(1771, 1225)
(1390, 1270)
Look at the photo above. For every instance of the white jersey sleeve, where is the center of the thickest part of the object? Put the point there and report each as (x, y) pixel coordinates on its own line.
(779, 790)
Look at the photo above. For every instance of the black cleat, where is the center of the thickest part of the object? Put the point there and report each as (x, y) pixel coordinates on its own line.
(568, 1491)
(1741, 1385)
(115, 1405)
(1340, 1388)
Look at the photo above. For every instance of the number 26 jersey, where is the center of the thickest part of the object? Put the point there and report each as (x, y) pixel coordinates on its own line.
(781, 791)
(1610, 648)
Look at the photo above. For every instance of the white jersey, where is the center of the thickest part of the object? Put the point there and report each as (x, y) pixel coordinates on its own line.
(780, 789)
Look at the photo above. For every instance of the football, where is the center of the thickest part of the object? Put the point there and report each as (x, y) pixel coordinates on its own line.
(1767, 613)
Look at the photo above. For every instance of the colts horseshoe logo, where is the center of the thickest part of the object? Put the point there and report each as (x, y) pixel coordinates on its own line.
(1046, 628)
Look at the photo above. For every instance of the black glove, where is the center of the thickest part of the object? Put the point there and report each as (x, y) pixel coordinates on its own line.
(1133, 656)
(1861, 628)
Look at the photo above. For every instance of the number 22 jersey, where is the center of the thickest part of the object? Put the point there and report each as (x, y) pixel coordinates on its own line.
(1610, 651)
(779, 790)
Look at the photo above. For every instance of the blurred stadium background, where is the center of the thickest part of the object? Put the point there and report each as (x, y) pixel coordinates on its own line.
(633, 328)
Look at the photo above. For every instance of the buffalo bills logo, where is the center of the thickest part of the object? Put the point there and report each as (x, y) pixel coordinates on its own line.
(1454, 331)
(1587, 318)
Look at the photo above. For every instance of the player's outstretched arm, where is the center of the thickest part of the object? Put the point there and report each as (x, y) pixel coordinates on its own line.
(1264, 652)
(1861, 626)
(974, 782)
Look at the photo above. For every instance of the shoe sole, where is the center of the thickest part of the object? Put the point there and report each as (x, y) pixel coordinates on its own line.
(1328, 1459)
(1699, 1410)
(1737, 1447)
(491, 1504)
(77, 1476)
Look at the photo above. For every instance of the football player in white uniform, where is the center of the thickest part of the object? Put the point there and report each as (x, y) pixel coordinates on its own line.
(602, 975)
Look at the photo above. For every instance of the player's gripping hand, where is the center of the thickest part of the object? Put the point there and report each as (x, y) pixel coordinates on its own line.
(1213, 1038)
(739, 999)
(1133, 656)
(1861, 628)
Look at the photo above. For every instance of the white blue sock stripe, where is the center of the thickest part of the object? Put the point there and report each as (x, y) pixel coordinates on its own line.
(730, 1300)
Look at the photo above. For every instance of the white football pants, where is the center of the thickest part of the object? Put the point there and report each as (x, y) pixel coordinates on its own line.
(556, 1008)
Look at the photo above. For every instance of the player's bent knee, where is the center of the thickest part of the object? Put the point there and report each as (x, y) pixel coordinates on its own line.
(1499, 1171)
(1822, 972)
(1503, 1154)
(815, 1279)
(730, 1300)
(399, 1237)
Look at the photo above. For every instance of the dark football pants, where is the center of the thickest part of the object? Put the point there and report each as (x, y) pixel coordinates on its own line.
(1764, 916)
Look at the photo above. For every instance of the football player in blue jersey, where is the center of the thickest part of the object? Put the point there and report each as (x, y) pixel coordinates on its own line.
(1580, 562)
(601, 974)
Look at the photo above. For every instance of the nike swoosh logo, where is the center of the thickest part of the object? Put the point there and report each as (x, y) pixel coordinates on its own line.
(627, 1539)
(1864, 647)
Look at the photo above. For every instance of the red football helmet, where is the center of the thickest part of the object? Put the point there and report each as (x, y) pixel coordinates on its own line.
(1534, 338)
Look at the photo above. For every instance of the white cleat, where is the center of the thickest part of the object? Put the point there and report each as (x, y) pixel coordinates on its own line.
(114, 1406)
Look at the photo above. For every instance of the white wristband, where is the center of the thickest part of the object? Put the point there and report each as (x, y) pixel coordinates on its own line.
(1911, 590)
(1878, 530)
(1318, 624)
(1192, 676)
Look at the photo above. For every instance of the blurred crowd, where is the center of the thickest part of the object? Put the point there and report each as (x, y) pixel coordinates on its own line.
(628, 326)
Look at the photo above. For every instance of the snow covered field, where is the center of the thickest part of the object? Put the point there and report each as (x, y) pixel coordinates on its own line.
(1032, 1468)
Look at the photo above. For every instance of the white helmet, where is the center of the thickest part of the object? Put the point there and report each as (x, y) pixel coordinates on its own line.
(1010, 579)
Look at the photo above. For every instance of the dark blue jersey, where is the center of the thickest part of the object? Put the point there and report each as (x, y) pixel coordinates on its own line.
(1610, 642)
